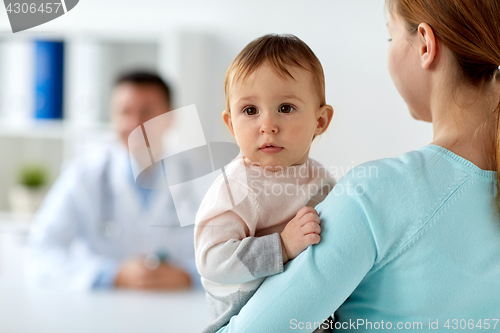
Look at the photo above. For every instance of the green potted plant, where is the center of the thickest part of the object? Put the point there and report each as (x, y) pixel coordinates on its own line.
(27, 195)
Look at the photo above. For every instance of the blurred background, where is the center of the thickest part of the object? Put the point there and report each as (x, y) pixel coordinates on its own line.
(190, 43)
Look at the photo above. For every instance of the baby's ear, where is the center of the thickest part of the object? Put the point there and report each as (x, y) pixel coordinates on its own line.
(226, 116)
(325, 116)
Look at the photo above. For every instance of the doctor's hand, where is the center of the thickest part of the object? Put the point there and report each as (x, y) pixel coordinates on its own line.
(134, 274)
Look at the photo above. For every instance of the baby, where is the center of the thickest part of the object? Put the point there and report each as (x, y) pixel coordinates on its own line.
(275, 107)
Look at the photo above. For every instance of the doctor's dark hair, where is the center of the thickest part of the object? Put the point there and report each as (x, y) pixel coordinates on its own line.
(470, 29)
(144, 78)
(280, 51)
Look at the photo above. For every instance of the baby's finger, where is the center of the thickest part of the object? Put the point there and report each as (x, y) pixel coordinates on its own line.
(311, 227)
(312, 238)
(306, 210)
(310, 217)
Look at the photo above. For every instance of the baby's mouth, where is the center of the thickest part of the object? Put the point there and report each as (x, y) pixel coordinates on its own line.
(270, 148)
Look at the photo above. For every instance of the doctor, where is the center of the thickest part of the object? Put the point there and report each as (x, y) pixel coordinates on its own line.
(97, 228)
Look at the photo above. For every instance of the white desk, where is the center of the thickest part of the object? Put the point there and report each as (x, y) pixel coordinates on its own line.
(38, 311)
(28, 310)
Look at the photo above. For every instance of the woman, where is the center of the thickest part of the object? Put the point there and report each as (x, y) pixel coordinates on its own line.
(415, 243)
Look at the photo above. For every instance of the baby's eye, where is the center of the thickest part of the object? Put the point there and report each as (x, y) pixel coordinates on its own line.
(286, 108)
(250, 111)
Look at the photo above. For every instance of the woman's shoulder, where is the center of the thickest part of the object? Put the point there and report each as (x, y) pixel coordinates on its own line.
(404, 172)
(397, 196)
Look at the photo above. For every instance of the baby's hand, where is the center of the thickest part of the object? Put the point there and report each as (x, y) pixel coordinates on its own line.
(302, 231)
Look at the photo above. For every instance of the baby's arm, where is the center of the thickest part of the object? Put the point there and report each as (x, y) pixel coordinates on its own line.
(226, 254)
(303, 230)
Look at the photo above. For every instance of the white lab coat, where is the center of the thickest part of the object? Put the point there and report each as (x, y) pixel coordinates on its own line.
(67, 247)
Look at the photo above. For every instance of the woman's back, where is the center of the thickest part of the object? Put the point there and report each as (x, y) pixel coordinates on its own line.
(436, 233)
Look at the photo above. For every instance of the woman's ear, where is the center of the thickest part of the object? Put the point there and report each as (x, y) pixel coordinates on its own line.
(427, 45)
(226, 117)
(324, 119)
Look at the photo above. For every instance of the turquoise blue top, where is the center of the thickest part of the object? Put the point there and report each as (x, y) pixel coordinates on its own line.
(406, 240)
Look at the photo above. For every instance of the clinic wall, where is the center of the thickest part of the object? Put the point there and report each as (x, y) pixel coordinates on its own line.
(349, 36)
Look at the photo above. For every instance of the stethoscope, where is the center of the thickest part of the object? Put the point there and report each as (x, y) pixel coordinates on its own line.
(108, 227)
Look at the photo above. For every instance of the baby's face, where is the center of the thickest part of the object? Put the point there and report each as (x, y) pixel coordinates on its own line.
(274, 118)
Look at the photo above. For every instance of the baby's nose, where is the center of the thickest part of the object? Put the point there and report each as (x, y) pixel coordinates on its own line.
(268, 125)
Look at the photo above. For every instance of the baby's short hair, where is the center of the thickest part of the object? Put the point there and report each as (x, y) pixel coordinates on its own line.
(280, 51)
